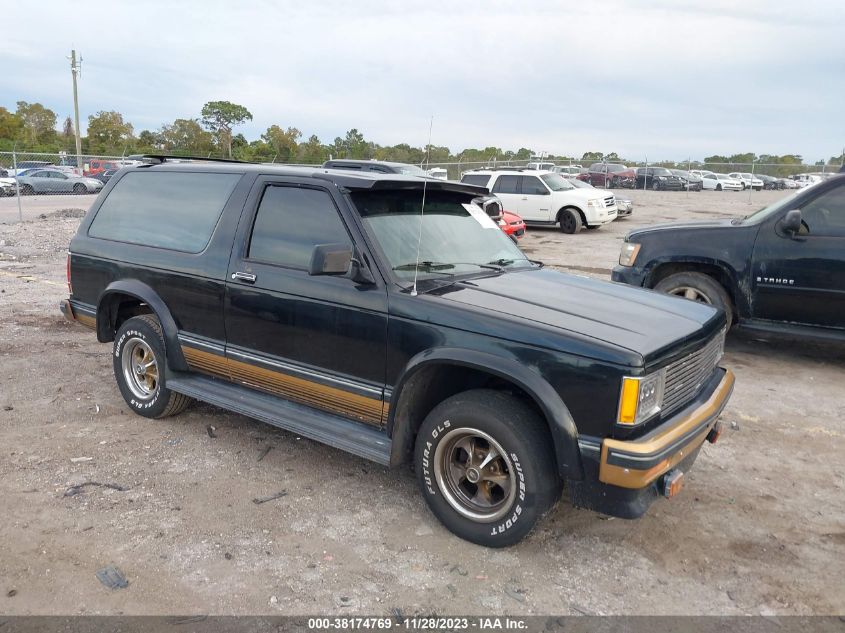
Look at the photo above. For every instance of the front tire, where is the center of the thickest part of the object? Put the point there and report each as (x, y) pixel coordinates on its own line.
(139, 363)
(698, 287)
(570, 221)
(655, 185)
(79, 189)
(718, 187)
(486, 467)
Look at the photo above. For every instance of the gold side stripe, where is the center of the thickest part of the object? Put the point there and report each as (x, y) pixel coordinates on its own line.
(87, 321)
(369, 410)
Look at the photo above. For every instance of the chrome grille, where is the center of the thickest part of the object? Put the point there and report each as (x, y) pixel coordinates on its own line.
(609, 202)
(685, 377)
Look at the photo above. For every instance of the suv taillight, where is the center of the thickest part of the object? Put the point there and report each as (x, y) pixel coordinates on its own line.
(69, 286)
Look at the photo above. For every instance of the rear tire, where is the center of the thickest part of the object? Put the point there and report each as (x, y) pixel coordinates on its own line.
(569, 220)
(698, 287)
(655, 185)
(486, 466)
(139, 362)
(27, 190)
(718, 187)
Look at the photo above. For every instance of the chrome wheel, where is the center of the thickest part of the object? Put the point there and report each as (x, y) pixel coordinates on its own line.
(475, 474)
(693, 294)
(140, 369)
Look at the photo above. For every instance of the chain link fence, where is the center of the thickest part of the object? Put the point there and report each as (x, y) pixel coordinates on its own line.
(30, 182)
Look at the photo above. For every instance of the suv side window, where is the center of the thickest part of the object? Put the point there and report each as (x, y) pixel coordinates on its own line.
(826, 214)
(507, 184)
(174, 210)
(476, 179)
(531, 185)
(290, 222)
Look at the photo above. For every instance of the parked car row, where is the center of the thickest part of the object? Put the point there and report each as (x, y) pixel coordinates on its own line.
(45, 181)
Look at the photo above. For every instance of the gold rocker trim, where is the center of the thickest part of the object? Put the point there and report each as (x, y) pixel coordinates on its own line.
(695, 425)
(83, 319)
(312, 393)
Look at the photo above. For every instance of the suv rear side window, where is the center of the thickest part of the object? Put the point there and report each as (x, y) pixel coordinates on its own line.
(507, 184)
(290, 222)
(476, 179)
(174, 210)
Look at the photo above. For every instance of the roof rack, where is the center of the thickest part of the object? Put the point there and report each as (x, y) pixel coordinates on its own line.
(501, 168)
(163, 158)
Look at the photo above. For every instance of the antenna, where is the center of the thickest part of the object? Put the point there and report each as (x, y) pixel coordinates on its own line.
(422, 208)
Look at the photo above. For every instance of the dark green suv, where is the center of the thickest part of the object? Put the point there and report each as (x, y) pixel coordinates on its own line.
(387, 315)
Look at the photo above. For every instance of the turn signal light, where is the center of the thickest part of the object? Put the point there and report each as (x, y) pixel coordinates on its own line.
(629, 401)
(673, 481)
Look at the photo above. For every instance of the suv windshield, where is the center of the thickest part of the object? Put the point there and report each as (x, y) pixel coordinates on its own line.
(457, 237)
(556, 182)
(765, 212)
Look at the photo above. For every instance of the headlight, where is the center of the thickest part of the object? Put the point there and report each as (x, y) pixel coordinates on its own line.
(595, 203)
(641, 398)
(629, 254)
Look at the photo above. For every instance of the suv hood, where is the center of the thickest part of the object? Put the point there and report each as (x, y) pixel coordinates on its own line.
(727, 223)
(583, 194)
(650, 326)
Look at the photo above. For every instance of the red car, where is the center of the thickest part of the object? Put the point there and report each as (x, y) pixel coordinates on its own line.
(512, 225)
(610, 176)
(97, 166)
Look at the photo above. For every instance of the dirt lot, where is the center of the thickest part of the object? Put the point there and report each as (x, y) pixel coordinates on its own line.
(759, 528)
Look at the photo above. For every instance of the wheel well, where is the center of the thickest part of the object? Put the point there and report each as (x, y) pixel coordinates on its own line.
(574, 208)
(430, 386)
(711, 270)
(114, 310)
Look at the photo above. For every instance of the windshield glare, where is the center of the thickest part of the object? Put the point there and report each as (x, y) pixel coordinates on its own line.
(452, 241)
(556, 182)
(765, 212)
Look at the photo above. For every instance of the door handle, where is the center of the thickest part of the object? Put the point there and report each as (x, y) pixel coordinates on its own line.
(247, 277)
(525, 197)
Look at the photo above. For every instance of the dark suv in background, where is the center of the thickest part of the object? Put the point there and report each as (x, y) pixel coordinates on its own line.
(658, 179)
(330, 303)
(781, 269)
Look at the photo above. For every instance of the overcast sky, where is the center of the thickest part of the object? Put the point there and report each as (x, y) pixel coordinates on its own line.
(659, 79)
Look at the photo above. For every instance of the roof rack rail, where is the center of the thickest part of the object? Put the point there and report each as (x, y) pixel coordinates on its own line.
(163, 158)
(502, 168)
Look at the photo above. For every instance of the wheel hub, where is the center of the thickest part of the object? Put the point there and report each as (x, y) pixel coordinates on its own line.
(475, 474)
(140, 368)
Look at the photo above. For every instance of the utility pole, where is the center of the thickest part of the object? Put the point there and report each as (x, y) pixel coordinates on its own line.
(75, 69)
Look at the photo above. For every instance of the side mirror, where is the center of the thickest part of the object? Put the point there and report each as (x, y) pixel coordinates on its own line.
(791, 222)
(330, 259)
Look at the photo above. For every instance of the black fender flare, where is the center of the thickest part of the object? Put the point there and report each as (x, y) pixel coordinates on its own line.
(557, 415)
(142, 292)
(738, 290)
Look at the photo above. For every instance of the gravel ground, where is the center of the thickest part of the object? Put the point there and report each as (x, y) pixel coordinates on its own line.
(758, 529)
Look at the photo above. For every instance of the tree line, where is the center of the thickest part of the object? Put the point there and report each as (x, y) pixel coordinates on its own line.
(32, 127)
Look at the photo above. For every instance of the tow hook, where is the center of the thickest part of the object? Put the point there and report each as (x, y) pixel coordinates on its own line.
(715, 433)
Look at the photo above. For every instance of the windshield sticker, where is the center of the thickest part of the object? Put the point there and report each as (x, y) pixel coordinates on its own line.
(483, 219)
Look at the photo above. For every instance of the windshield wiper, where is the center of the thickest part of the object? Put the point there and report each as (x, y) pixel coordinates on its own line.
(427, 266)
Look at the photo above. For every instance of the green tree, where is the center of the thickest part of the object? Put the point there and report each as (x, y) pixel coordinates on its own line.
(592, 156)
(312, 152)
(149, 141)
(282, 142)
(39, 123)
(11, 125)
(353, 145)
(220, 117)
(186, 136)
(108, 132)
